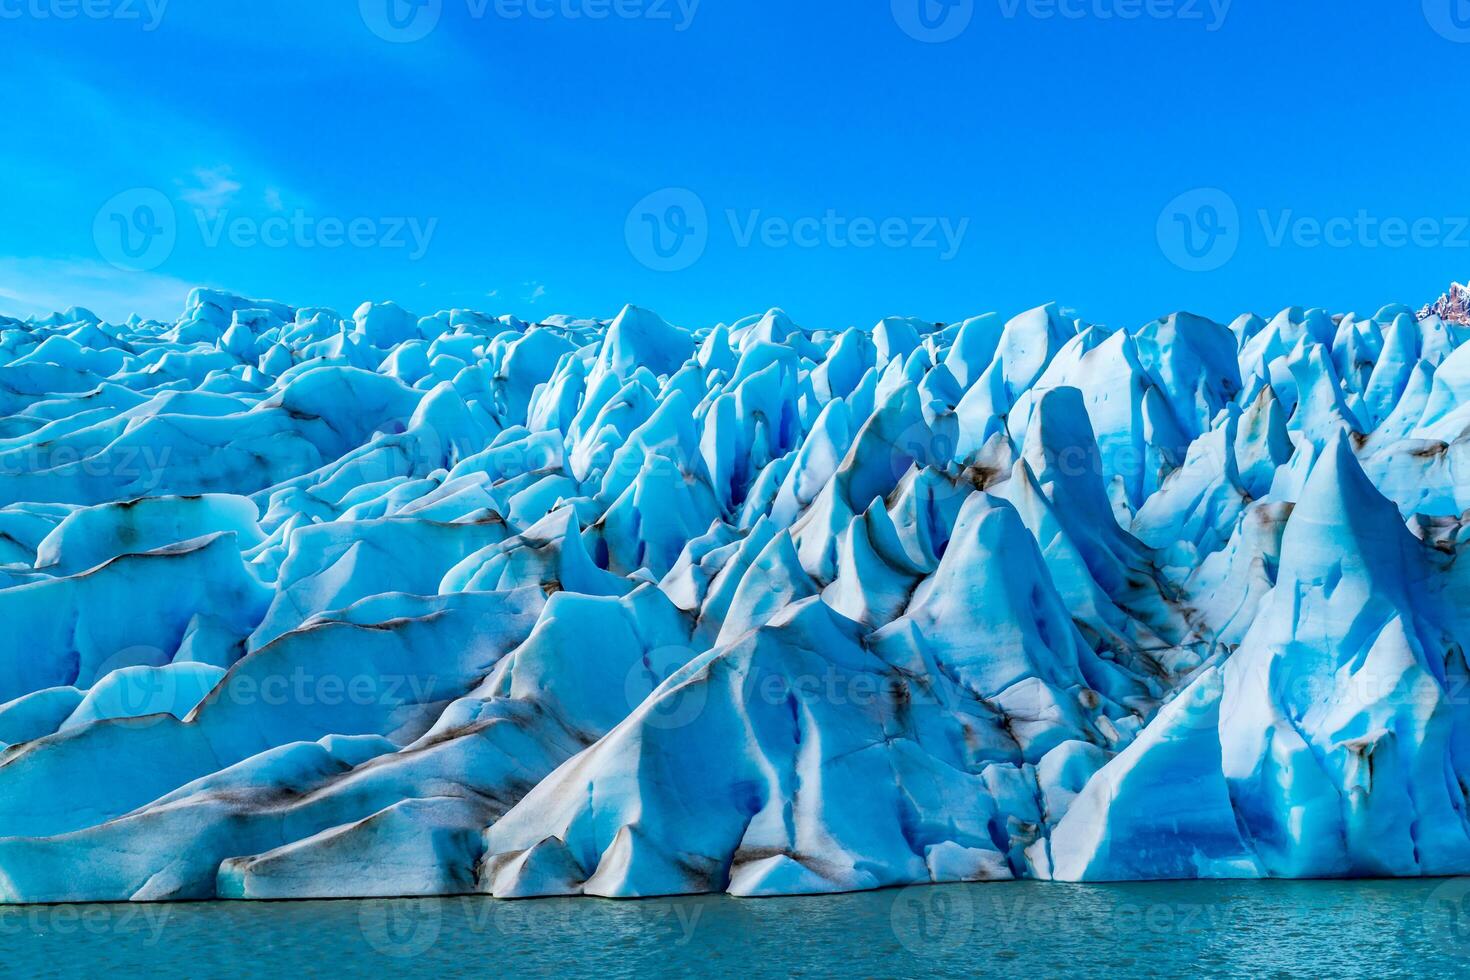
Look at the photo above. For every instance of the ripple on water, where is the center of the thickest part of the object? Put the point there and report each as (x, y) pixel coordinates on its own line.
(1378, 928)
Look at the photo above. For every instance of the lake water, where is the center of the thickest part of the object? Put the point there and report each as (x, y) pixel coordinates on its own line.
(1035, 930)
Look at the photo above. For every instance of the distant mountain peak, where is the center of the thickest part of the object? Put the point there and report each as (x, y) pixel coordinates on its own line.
(1452, 307)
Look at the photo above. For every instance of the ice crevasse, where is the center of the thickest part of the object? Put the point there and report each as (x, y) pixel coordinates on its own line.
(300, 605)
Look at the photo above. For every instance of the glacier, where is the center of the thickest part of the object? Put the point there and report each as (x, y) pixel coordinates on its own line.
(303, 605)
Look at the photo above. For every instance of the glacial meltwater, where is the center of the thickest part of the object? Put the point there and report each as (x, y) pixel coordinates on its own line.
(1027, 929)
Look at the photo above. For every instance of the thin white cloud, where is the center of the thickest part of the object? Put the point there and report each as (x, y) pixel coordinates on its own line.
(38, 287)
(214, 188)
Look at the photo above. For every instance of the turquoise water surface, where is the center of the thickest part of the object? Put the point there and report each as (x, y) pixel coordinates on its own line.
(1257, 929)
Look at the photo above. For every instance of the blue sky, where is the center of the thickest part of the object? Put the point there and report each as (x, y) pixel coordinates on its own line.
(843, 160)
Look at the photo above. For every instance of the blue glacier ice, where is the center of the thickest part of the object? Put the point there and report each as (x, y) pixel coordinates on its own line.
(305, 605)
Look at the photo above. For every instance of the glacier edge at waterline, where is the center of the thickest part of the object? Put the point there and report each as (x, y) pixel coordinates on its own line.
(309, 606)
